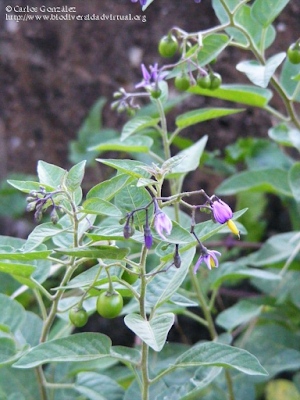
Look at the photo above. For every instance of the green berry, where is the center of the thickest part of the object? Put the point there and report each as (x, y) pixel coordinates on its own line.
(109, 305)
(216, 81)
(204, 81)
(182, 82)
(294, 53)
(168, 46)
(78, 317)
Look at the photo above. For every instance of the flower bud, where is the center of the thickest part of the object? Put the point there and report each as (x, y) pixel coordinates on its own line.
(177, 259)
(148, 237)
(38, 215)
(31, 206)
(54, 216)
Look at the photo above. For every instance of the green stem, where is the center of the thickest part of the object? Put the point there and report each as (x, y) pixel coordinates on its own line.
(229, 385)
(204, 306)
(41, 304)
(195, 317)
(41, 380)
(145, 348)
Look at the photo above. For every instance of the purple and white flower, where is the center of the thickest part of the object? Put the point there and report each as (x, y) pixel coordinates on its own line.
(151, 77)
(221, 211)
(210, 259)
(162, 223)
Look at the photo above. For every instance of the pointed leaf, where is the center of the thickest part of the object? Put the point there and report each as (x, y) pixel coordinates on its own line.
(268, 180)
(138, 124)
(129, 167)
(190, 158)
(101, 207)
(40, 234)
(12, 313)
(107, 252)
(220, 355)
(240, 313)
(22, 270)
(27, 186)
(75, 176)
(50, 174)
(95, 386)
(139, 144)
(265, 11)
(77, 347)
(154, 332)
(203, 114)
(245, 94)
(259, 74)
(108, 189)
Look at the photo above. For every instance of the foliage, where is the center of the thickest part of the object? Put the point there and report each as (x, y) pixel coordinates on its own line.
(124, 239)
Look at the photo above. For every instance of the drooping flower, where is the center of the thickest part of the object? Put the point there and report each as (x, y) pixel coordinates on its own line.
(148, 237)
(210, 259)
(162, 223)
(151, 77)
(223, 213)
(143, 2)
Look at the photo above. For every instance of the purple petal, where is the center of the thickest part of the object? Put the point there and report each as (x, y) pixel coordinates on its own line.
(200, 259)
(146, 74)
(221, 211)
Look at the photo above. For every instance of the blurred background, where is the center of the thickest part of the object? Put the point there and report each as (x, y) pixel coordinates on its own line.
(53, 72)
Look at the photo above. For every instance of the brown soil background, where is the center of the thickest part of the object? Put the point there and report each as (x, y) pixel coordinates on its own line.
(53, 71)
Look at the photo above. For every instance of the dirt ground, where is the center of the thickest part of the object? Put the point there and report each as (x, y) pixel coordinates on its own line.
(53, 71)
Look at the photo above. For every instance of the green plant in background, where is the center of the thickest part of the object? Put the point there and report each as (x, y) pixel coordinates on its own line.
(129, 247)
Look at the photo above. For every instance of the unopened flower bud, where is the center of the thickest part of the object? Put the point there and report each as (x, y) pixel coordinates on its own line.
(117, 95)
(38, 215)
(54, 216)
(30, 206)
(29, 199)
(115, 104)
(128, 230)
(148, 237)
(177, 258)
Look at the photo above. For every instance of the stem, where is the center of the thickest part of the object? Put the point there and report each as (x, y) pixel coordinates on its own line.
(195, 317)
(229, 385)
(40, 303)
(40, 378)
(145, 348)
(204, 306)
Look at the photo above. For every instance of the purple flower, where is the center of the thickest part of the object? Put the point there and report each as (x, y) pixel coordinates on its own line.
(162, 223)
(143, 2)
(221, 211)
(151, 77)
(148, 237)
(210, 259)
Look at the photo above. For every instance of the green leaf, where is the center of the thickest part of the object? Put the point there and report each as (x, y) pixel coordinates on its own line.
(8, 350)
(22, 270)
(241, 313)
(290, 85)
(50, 174)
(244, 18)
(285, 135)
(101, 207)
(221, 355)
(276, 249)
(27, 186)
(190, 158)
(213, 45)
(259, 74)
(232, 271)
(132, 197)
(95, 386)
(267, 180)
(154, 332)
(294, 181)
(244, 94)
(98, 387)
(77, 347)
(164, 286)
(108, 189)
(265, 11)
(40, 234)
(12, 313)
(34, 255)
(126, 354)
(203, 114)
(75, 176)
(129, 167)
(107, 252)
(18, 385)
(138, 124)
(139, 144)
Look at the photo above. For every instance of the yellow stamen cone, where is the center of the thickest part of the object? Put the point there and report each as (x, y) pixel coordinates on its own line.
(212, 262)
(232, 226)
